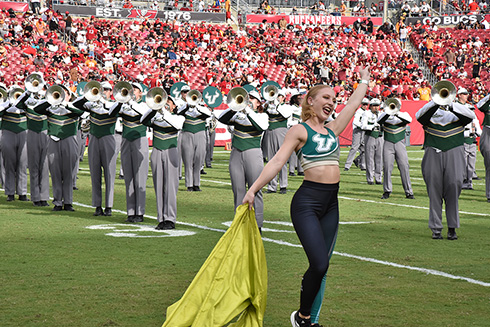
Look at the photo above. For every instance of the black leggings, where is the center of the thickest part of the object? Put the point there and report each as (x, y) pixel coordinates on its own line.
(315, 216)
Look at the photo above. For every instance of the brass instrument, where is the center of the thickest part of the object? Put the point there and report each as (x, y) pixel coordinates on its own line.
(55, 95)
(156, 98)
(92, 91)
(193, 98)
(34, 83)
(123, 92)
(270, 93)
(85, 125)
(15, 93)
(443, 93)
(392, 106)
(3, 94)
(212, 124)
(237, 99)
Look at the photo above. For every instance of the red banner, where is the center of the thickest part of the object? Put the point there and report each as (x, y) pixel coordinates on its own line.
(16, 6)
(311, 19)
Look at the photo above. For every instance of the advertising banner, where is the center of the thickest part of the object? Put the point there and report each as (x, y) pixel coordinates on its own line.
(123, 13)
(16, 6)
(311, 19)
(447, 20)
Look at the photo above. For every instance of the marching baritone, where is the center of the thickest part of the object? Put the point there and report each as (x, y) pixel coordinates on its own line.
(13, 144)
(164, 160)
(278, 113)
(63, 145)
(357, 139)
(102, 147)
(193, 136)
(246, 161)
(394, 123)
(484, 106)
(134, 147)
(373, 142)
(443, 163)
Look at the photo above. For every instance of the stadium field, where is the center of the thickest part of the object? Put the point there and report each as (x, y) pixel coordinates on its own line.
(74, 269)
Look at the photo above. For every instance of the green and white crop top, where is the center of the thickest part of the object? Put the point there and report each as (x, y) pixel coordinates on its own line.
(319, 149)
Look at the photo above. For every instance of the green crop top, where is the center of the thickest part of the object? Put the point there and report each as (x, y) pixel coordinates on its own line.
(319, 149)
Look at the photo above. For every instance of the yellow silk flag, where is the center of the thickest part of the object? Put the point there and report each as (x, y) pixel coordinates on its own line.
(231, 282)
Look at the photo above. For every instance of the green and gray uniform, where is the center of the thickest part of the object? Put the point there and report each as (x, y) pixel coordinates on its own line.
(484, 106)
(357, 142)
(471, 132)
(164, 161)
(443, 163)
(294, 119)
(373, 145)
(394, 128)
(14, 147)
(62, 149)
(246, 161)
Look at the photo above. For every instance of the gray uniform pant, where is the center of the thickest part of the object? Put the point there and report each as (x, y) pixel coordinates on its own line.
(193, 153)
(210, 139)
(264, 145)
(275, 138)
(374, 158)
(135, 163)
(295, 163)
(391, 152)
(245, 167)
(470, 162)
(357, 145)
(118, 137)
(179, 150)
(166, 182)
(102, 155)
(14, 152)
(62, 157)
(443, 175)
(37, 160)
(80, 140)
(2, 169)
(485, 151)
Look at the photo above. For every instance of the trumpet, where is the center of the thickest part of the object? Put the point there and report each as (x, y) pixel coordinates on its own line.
(443, 93)
(392, 106)
(55, 95)
(237, 99)
(270, 93)
(15, 93)
(92, 91)
(3, 94)
(34, 83)
(123, 92)
(193, 98)
(156, 98)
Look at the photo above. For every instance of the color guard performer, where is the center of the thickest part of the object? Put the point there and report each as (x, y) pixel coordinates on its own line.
(246, 161)
(373, 143)
(134, 147)
(484, 106)
(394, 124)
(443, 164)
(357, 139)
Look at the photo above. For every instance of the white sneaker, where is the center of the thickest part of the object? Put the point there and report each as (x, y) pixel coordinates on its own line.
(296, 321)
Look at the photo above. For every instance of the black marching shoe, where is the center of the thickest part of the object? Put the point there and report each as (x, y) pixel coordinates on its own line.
(301, 173)
(370, 183)
(292, 174)
(57, 208)
(10, 198)
(196, 189)
(130, 219)
(44, 204)
(296, 321)
(283, 190)
(68, 207)
(190, 189)
(23, 198)
(451, 234)
(165, 225)
(203, 172)
(385, 195)
(378, 183)
(98, 211)
(75, 188)
(270, 191)
(346, 169)
(437, 236)
(36, 203)
(108, 212)
(409, 196)
(138, 219)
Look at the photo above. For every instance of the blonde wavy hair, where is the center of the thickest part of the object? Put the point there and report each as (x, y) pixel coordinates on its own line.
(306, 108)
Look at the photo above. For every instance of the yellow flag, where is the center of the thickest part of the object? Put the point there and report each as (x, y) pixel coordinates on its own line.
(231, 283)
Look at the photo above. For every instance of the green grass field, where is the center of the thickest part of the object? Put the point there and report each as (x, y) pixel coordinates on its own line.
(387, 271)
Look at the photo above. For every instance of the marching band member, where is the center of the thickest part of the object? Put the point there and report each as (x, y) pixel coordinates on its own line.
(164, 161)
(357, 139)
(37, 144)
(14, 149)
(102, 153)
(443, 162)
(3, 99)
(295, 119)
(484, 106)
(193, 137)
(210, 138)
(180, 101)
(63, 146)
(134, 151)
(471, 132)
(394, 124)
(373, 143)
(246, 162)
(278, 113)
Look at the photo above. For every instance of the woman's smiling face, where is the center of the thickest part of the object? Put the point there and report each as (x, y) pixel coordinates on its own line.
(323, 103)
